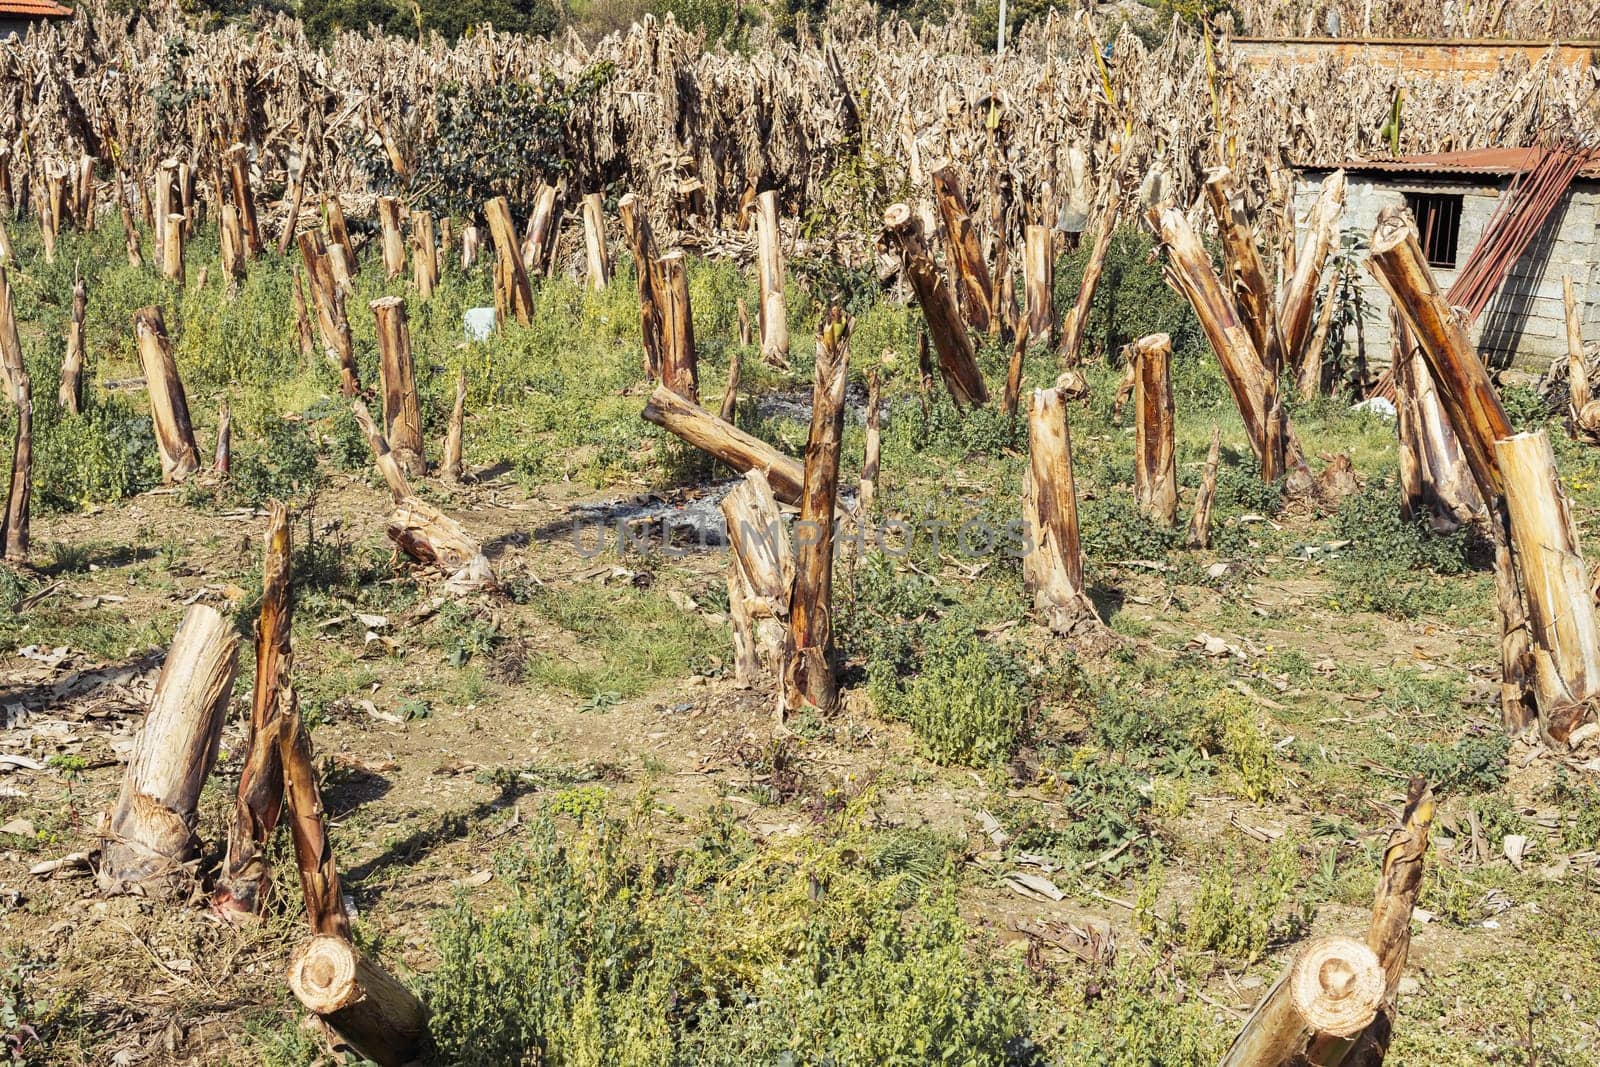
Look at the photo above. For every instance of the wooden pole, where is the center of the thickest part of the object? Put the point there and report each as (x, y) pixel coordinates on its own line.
(402, 410)
(453, 434)
(761, 572)
(147, 838)
(679, 366)
(1315, 1010)
(394, 242)
(166, 199)
(70, 393)
(237, 158)
(519, 298)
(328, 296)
(308, 823)
(1155, 472)
(808, 671)
(1436, 483)
(425, 256)
(1555, 581)
(1077, 319)
(1052, 568)
(291, 221)
(726, 442)
(1200, 518)
(958, 363)
(1038, 278)
(772, 313)
(641, 243)
(172, 250)
(246, 875)
(366, 1005)
(965, 252)
(169, 407)
(1399, 885)
(130, 232)
(594, 241)
(874, 445)
(471, 239)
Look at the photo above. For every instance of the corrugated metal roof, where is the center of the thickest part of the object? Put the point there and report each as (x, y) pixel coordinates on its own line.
(1493, 162)
(33, 9)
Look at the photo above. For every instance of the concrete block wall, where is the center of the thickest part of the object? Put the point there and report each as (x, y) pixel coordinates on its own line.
(1525, 324)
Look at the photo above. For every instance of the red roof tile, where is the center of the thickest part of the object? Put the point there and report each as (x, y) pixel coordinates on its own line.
(1496, 162)
(33, 9)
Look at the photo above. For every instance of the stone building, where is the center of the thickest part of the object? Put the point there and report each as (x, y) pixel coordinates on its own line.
(1453, 196)
(17, 15)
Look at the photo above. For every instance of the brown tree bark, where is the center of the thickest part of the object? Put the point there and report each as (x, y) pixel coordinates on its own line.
(761, 571)
(1077, 318)
(147, 838)
(1315, 1010)
(328, 296)
(230, 241)
(291, 221)
(172, 267)
(874, 446)
(14, 526)
(1254, 390)
(1299, 295)
(1200, 518)
(679, 364)
(1155, 471)
(1052, 568)
(1038, 280)
(1019, 354)
(808, 670)
(594, 241)
(965, 252)
(424, 256)
(70, 393)
(222, 458)
(772, 313)
(539, 244)
(1247, 275)
(238, 160)
(1399, 885)
(302, 318)
(726, 442)
(308, 823)
(958, 362)
(641, 243)
(130, 232)
(394, 241)
(166, 199)
(453, 435)
(517, 290)
(402, 410)
(1469, 397)
(1582, 411)
(169, 407)
(1309, 376)
(730, 393)
(339, 232)
(8, 252)
(246, 876)
(373, 1011)
(1565, 655)
(1436, 483)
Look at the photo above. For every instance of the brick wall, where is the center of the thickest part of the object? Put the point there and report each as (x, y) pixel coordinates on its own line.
(1469, 60)
(1525, 323)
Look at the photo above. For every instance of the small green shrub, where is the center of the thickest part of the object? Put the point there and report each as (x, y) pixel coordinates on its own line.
(1474, 764)
(968, 702)
(1239, 921)
(279, 465)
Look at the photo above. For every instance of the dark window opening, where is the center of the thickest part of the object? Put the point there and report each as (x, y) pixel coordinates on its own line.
(1438, 218)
